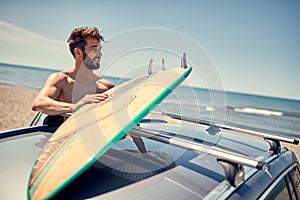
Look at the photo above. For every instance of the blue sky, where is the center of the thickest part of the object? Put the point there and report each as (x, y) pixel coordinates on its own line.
(255, 45)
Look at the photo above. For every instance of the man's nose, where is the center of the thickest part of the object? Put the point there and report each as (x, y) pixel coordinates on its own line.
(99, 53)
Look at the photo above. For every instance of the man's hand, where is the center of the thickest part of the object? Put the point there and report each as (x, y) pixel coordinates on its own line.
(88, 99)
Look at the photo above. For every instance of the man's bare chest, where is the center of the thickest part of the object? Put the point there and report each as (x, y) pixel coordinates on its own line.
(75, 91)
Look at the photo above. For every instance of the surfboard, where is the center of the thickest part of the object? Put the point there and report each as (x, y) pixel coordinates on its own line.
(94, 128)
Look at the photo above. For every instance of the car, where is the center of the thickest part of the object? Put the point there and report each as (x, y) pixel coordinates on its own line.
(176, 158)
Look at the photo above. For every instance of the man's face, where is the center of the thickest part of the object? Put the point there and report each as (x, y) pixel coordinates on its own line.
(92, 54)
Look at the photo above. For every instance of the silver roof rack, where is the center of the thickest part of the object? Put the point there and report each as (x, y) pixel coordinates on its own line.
(273, 140)
(232, 162)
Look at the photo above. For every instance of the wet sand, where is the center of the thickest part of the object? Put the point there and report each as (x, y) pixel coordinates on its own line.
(15, 106)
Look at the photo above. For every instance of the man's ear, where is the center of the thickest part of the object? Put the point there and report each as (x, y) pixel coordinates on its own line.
(78, 53)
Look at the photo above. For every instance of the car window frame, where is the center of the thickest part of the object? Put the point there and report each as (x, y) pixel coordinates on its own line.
(284, 175)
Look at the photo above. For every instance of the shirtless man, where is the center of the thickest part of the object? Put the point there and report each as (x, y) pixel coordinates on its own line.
(66, 91)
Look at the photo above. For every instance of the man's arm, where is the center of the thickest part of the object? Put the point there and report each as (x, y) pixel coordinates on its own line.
(45, 101)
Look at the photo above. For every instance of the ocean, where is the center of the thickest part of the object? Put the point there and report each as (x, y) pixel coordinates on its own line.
(261, 113)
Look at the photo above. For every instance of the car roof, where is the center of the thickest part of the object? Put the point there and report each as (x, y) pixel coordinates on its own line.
(165, 172)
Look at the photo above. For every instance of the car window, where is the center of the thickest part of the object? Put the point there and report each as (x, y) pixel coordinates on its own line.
(279, 192)
(288, 187)
(295, 176)
(291, 188)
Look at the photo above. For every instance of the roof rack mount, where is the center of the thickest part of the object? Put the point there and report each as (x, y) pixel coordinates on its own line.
(232, 162)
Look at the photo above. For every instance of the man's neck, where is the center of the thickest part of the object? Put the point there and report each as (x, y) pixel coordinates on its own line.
(83, 74)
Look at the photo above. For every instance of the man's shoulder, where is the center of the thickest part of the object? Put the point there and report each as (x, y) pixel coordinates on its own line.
(59, 77)
(61, 74)
(104, 84)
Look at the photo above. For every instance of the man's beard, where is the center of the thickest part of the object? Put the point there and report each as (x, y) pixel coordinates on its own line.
(89, 62)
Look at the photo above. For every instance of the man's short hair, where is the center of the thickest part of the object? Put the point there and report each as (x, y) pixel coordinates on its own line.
(78, 37)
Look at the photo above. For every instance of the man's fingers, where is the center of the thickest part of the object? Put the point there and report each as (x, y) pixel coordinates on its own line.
(94, 98)
(89, 99)
(99, 97)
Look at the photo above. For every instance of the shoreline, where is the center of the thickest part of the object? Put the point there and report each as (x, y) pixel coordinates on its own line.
(17, 115)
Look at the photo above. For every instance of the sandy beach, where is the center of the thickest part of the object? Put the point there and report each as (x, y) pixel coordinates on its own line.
(15, 105)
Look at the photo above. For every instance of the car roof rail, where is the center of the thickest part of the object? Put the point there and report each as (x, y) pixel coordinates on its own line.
(273, 140)
(26, 130)
(232, 162)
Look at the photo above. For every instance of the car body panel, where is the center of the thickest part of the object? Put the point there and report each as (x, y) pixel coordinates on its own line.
(17, 155)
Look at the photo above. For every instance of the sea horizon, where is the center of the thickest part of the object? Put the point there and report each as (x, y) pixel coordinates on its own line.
(116, 77)
(275, 115)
